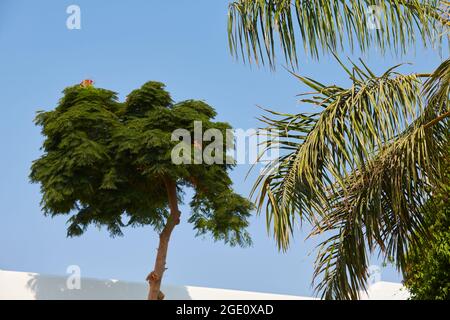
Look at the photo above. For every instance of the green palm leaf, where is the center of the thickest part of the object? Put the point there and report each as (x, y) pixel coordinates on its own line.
(360, 170)
(354, 123)
(324, 26)
(380, 208)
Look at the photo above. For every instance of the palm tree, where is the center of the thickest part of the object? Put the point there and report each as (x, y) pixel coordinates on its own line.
(361, 169)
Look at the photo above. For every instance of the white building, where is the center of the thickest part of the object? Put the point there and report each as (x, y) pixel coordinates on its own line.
(33, 286)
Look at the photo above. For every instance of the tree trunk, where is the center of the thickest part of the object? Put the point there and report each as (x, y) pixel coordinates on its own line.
(155, 277)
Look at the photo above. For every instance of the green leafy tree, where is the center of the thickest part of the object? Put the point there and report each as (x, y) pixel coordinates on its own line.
(110, 164)
(427, 272)
(360, 169)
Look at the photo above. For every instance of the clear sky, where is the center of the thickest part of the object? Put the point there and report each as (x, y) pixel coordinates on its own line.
(121, 45)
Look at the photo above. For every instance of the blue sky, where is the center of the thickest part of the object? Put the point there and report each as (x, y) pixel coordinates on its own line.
(121, 45)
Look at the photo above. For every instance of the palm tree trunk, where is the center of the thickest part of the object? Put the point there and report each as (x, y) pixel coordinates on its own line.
(155, 277)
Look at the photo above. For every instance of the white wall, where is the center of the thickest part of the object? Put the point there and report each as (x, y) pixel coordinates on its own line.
(25, 285)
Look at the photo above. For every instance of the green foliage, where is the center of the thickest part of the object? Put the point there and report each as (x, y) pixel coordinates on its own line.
(360, 170)
(105, 162)
(323, 26)
(427, 273)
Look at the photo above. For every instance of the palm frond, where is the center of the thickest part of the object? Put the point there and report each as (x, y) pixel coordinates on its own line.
(323, 148)
(324, 26)
(361, 170)
(437, 87)
(380, 208)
